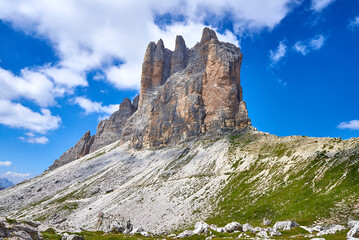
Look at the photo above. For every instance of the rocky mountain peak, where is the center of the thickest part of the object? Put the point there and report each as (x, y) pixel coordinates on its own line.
(185, 94)
(208, 34)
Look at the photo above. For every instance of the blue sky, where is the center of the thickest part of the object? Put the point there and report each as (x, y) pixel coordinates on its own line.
(67, 64)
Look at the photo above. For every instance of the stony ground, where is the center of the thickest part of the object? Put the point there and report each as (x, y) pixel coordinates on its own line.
(240, 178)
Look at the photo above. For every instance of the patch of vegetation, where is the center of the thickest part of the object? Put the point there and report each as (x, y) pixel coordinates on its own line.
(50, 234)
(111, 236)
(310, 192)
(10, 221)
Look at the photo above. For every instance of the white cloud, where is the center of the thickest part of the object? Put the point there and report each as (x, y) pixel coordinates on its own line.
(5, 164)
(354, 24)
(31, 85)
(88, 35)
(33, 139)
(95, 107)
(304, 47)
(301, 47)
(16, 115)
(317, 42)
(319, 5)
(352, 125)
(15, 177)
(276, 55)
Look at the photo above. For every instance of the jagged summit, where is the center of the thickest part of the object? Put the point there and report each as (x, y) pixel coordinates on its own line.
(208, 34)
(185, 94)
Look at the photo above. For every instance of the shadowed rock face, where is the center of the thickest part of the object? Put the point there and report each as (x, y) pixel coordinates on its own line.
(184, 94)
(108, 131)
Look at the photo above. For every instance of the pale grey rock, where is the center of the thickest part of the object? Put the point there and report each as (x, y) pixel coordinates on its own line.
(107, 222)
(186, 233)
(66, 236)
(18, 230)
(179, 56)
(233, 226)
(262, 234)
(137, 230)
(108, 131)
(266, 222)
(285, 225)
(353, 223)
(331, 230)
(201, 227)
(275, 233)
(145, 234)
(81, 148)
(247, 227)
(257, 229)
(354, 232)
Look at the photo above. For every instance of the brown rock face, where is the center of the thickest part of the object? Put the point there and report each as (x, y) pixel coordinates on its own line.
(204, 97)
(184, 94)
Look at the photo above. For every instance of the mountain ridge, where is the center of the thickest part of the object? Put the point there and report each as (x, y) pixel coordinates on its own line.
(184, 94)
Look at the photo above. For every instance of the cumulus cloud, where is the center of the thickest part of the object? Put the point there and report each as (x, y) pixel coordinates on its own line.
(35, 139)
(354, 24)
(319, 5)
(15, 177)
(97, 35)
(304, 47)
(16, 115)
(276, 55)
(95, 107)
(351, 125)
(5, 164)
(90, 35)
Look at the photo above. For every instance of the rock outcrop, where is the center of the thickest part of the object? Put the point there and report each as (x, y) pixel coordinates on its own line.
(108, 131)
(185, 94)
(202, 94)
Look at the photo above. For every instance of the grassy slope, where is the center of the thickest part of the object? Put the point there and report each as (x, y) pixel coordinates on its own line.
(316, 187)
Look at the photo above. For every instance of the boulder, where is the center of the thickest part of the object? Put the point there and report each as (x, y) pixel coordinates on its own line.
(352, 223)
(354, 232)
(233, 226)
(331, 230)
(257, 229)
(275, 233)
(66, 236)
(145, 234)
(247, 227)
(186, 233)
(285, 225)
(201, 227)
(137, 230)
(262, 234)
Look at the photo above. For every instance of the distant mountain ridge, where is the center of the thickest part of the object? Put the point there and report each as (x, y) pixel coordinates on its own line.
(5, 183)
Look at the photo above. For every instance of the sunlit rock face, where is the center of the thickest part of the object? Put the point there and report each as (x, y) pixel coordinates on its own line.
(185, 94)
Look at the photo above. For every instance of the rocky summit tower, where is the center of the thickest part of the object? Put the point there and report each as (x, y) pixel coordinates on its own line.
(185, 94)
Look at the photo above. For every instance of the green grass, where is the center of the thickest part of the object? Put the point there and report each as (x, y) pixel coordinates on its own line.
(303, 197)
(10, 221)
(50, 234)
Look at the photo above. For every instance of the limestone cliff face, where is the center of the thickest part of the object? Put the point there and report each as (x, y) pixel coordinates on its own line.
(185, 93)
(201, 96)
